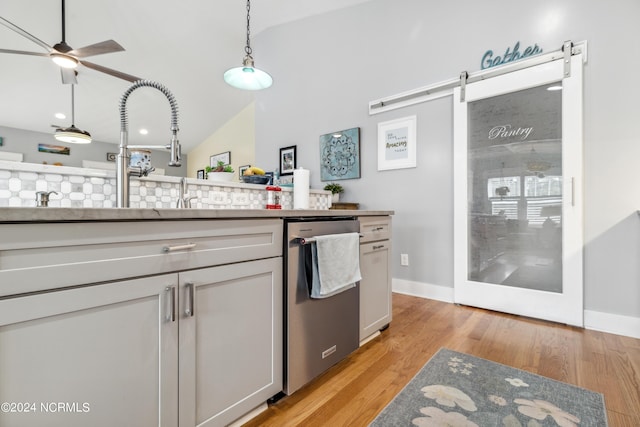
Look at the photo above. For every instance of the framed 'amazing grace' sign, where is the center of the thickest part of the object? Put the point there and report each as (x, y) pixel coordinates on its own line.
(397, 144)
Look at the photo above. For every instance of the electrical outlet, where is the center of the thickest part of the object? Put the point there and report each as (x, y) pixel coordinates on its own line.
(404, 259)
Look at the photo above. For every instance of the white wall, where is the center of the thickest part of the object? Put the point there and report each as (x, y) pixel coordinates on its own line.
(236, 136)
(327, 68)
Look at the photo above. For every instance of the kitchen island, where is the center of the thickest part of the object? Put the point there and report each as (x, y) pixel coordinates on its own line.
(27, 214)
(142, 316)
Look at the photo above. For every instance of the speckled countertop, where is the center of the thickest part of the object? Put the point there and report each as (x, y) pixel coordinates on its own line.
(17, 215)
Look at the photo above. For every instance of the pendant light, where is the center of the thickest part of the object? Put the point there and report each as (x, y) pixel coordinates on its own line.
(72, 134)
(248, 77)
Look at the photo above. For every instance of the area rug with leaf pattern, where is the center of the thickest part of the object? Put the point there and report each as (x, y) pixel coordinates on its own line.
(456, 389)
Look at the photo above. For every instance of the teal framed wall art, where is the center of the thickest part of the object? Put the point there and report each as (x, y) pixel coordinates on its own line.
(340, 155)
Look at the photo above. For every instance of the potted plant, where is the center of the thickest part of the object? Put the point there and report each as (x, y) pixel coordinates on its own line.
(335, 189)
(221, 172)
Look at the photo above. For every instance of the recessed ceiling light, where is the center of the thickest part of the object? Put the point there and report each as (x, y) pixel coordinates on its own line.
(60, 116)
(143, 132)
(555, 87)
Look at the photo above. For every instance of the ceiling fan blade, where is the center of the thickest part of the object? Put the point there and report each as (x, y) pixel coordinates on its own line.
(107, 46)
(68, 76)
(23, 33)
(23, 52)
(114, 73)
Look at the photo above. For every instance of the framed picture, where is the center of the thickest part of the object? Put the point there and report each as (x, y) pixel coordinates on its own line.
(54, 149)
(225, 158)
(340, 155)
(241, 170)
(270, 175)
(287, 160)
(397, 144)
(200, 173)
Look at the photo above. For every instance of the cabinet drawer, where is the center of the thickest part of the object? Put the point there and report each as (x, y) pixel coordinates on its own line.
(375, 228)
(36, 257)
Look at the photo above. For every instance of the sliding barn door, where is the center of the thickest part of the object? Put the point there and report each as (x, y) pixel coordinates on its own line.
(518, 204)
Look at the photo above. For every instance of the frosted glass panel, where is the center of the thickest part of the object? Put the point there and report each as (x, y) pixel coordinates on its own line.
(515, 189)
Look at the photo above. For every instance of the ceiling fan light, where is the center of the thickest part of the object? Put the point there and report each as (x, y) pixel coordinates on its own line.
(248, 78)
(64, 61)
(72, 135)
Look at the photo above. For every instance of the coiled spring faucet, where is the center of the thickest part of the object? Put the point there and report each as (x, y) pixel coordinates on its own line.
(123, 169)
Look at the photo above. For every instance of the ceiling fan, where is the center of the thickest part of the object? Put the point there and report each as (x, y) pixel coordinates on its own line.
(67, 57)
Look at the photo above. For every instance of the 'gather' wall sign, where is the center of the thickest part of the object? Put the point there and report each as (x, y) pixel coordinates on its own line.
(488, 60)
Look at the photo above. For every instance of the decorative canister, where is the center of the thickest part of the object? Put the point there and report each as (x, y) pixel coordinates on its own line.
(140, 158)
(274, 193)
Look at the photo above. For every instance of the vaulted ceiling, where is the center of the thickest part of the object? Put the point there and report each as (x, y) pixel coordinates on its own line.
(185, 45)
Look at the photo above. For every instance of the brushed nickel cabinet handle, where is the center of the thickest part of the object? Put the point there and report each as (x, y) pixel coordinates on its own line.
(175, 248)
(378, 247)
(171, 303)
(189, 309)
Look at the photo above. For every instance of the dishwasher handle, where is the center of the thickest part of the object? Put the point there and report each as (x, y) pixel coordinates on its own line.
(309, 240)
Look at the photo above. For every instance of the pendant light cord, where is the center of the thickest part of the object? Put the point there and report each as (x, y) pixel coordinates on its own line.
(73, 107)
(247, 48)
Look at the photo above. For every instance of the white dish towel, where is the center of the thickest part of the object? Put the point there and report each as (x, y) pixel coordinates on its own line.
(336, 264)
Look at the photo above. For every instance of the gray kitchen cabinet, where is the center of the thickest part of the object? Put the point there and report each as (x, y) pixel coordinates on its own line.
(194, 346)
(375, 268)
(46, 256)
(230, 340)
(107, 353)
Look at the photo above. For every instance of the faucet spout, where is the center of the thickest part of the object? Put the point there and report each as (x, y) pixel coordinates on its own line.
(184, 200)
(123, 170)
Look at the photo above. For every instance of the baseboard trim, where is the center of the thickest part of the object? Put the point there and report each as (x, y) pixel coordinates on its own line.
(612, 323)
(598, 321)
(250, 415)
(422, 290)
(371, 337)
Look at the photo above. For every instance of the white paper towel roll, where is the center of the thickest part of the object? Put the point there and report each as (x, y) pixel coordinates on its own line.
(300, 188)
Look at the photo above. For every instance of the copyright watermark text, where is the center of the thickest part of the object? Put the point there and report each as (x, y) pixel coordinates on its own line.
(45, 407)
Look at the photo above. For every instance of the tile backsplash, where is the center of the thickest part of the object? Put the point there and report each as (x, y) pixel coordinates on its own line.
(93, 188)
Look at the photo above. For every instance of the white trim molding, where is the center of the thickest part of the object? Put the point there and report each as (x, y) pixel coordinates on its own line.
(422, 290)
(612, 323)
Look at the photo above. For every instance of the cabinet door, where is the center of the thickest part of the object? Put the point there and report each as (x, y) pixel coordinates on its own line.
(103, 355)
(230, 340)
(375, 287)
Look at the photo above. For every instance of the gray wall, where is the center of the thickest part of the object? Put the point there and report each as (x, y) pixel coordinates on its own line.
(26, 142)
(327, 68)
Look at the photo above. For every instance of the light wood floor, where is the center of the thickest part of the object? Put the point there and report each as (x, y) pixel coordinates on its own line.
(354, 391)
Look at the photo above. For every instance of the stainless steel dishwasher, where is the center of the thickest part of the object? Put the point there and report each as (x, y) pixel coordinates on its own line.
(318, 332)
